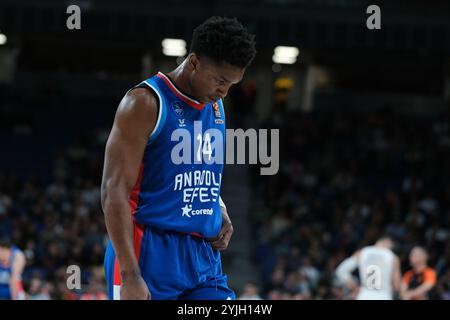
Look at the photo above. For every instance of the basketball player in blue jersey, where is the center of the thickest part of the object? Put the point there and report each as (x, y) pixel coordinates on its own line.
(165, 218)
(12, 263)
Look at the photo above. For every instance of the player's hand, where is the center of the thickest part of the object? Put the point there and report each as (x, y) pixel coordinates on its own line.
(354, 293)
(134, 288)
(223, 239)
(354, 288)
(352, 285)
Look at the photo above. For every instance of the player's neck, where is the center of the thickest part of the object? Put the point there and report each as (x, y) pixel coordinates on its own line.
(180, 78)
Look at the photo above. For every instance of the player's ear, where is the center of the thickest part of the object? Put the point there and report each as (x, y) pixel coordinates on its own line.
(193, 61)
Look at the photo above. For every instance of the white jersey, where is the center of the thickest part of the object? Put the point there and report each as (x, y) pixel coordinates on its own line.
(375, 272)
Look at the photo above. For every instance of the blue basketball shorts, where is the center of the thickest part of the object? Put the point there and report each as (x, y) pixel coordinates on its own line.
(175, 266)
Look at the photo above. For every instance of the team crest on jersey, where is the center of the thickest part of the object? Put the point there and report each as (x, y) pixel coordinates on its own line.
(178, 108)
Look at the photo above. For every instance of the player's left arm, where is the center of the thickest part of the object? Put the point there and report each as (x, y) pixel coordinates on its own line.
(223, 239)
(15, 283)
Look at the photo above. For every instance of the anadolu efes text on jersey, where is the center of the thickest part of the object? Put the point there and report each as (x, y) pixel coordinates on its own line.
(180, 196)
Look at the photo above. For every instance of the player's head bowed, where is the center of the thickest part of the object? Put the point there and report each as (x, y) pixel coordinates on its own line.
(224, 40)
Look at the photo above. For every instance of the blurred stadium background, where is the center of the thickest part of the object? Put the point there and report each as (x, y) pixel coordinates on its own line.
(363, 118)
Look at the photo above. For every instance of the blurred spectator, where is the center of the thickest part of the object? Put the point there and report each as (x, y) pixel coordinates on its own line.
(250, 292)
(419, 282)
(39, 290)
(57, 222)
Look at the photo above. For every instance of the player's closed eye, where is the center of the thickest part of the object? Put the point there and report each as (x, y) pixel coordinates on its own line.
(219, 82)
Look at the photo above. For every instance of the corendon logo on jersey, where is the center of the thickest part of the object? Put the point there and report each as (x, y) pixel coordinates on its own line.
(188, 212)
(186, 209)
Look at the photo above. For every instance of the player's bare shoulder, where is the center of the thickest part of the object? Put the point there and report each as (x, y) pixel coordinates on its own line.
(137, 111)
(139, 101)
(395, 259)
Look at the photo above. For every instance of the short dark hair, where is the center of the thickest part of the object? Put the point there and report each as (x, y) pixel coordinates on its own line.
(386, 236)
(5, 242)
(224, 40)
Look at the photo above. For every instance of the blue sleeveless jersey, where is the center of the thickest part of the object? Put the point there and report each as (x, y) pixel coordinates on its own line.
(179, 182)
(5, 276)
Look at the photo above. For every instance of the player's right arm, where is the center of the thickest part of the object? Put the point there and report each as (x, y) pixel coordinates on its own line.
(134, 121)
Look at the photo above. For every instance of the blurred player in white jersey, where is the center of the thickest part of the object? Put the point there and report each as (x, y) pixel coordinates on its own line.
(379, 271)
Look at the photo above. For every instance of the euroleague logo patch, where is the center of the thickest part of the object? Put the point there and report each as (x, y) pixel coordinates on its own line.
(216, 110)
(178, 108)
(217, 113)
